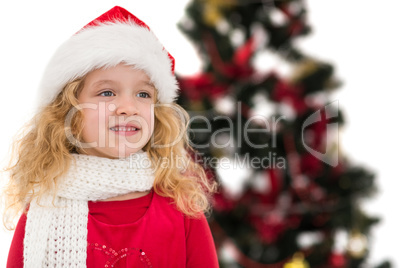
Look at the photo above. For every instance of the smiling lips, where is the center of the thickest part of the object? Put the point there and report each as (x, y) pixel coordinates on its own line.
(126, 130)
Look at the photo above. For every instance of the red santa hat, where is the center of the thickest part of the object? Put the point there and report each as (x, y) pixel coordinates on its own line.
(116, 36)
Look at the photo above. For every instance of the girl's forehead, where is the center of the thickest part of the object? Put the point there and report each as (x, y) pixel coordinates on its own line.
(119, 69)
(118, 74)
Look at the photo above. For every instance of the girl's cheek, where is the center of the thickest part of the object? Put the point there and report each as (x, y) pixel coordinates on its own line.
(94, 117)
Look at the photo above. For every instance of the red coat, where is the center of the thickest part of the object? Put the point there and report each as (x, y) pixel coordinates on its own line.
(142, 232)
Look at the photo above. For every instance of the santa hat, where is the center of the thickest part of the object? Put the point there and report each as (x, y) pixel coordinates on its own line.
(116, 36)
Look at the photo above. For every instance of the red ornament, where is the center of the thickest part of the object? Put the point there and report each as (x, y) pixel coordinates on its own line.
(269, 227)
(201, 85)
(337, 260)
(239, 67)
(270, 196)
(292, 94)
(221, 203)
(310, 165)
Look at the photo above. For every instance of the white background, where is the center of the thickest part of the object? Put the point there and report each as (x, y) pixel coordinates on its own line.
(358, 36)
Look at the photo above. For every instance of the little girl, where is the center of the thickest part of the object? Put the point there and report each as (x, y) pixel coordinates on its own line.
(103, 175)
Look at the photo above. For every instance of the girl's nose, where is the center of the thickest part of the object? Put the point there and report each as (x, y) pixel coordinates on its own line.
(127, 106)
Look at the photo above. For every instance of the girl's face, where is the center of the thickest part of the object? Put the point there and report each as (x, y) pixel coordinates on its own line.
(117, 104)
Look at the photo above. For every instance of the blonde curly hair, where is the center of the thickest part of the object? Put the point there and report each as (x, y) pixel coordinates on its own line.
(41, 154)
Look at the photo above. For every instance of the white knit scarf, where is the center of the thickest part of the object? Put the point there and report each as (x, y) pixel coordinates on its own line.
(56, 235)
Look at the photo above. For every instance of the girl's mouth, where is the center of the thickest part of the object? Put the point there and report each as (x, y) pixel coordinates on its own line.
(125, 131)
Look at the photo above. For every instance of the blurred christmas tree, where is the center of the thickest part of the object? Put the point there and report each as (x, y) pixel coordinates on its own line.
(269, 135)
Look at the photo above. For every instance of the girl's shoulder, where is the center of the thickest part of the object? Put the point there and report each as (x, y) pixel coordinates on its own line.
(164, 202)
(168, 205)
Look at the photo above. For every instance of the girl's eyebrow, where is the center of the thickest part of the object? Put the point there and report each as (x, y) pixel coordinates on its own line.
(150, 84)
(101, 82)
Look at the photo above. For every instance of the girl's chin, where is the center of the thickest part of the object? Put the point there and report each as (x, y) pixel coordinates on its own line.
(124, 153)
(112, 153)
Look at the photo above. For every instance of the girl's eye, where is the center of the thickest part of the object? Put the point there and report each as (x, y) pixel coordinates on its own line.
(143, 95)
(106, 93)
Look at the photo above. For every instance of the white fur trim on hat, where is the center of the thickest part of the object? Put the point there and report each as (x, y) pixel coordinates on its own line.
(107, 45)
